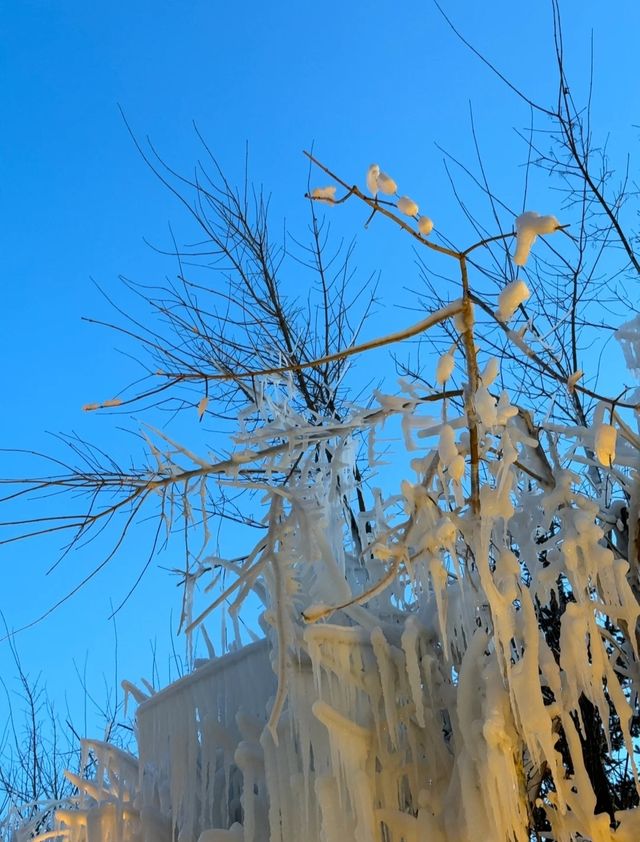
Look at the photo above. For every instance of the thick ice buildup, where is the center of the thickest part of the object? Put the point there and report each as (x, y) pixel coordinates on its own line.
(528, 226)
(324, 194)
(372, 179)
(604, 444)
(444, 368)
(511, 297)
(425, 225)
(407, 206)
(378, 181)
(386, 184)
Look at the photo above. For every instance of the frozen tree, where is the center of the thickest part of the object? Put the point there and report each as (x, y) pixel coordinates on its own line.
(455, 656)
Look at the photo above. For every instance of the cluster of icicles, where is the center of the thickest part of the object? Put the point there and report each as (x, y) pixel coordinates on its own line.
(407, 692)
(431, 706)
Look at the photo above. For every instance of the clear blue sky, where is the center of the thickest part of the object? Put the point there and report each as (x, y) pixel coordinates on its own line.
(361, 81)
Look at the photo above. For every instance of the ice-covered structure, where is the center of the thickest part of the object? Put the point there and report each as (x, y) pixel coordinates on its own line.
(449, 663)
(414, 684)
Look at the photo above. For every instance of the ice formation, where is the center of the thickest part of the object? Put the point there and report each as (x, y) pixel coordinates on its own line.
(407, 689)
(528, 226)
(431, 658)
(510, 298)
(605, 444)
(372, 179)
(381, 182)
(386, 184)
(407, 206)
(445, 366)
(324, 194)
(490, 372)
(425, 225)
(628, 335)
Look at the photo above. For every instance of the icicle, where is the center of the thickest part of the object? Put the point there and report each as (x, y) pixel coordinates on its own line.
(130, 689)
(486, 407)
(605, 444)
(387, 682)
(490, 371)
(400, 825)
(447, 449)
(411, 647)
(250, 760)
(439, 581)
(444, 368)
(211, 652)
(457, 468)
(337, 824)
(350, 745)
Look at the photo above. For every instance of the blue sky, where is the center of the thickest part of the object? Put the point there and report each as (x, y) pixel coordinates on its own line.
(361, 81)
